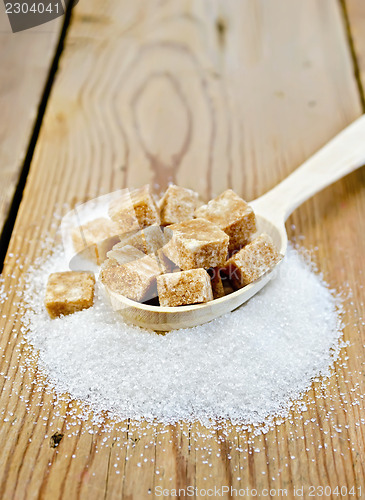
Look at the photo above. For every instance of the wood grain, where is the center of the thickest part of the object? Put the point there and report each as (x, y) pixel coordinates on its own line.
(209, 94)
(355, 10)
(25, 61)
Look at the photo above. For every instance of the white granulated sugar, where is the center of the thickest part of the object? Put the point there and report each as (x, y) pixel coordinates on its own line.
(247, 366)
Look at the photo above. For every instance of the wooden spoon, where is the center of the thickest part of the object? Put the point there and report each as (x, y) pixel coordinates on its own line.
(342, 155)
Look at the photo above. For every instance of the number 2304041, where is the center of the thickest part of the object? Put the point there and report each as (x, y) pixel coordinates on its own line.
(34, 8)
(338, 491)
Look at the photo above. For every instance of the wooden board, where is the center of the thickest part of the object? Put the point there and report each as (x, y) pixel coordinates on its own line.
(25, 61)
(209, 94)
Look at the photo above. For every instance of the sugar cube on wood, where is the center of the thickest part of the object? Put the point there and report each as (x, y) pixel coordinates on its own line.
(196, 243)
(178, 205)
(233, 215)
(134, 210)
(68, 292)
(135, 280)
(252, 261)
(184, 287)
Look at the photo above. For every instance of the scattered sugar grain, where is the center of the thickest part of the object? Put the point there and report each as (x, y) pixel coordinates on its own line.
(247, 366)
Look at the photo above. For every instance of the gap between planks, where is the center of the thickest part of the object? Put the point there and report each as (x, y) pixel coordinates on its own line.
(9, 222)
(352, 48)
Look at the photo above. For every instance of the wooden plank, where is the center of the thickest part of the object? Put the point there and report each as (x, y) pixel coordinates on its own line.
(25, 61)
(355, 12)
(211, 95)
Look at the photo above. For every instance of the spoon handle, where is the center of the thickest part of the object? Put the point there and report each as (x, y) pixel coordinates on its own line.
(342, 155)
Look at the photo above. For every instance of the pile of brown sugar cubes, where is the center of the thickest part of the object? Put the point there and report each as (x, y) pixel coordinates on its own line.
(174, 252)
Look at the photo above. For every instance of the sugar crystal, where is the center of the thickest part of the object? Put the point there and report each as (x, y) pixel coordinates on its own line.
(245, 366)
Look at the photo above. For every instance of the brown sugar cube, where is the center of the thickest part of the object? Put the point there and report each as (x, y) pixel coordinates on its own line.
(135, 280)
(227, 286)
(178, 205)
(233, 215)
(134, 210)
(196, 243)
(226, 283)
(125, 254)
(167, 266)
(216, 282)
(69, 292)
(95, 238)
(148, 240)
(184, 287)
(252, 261)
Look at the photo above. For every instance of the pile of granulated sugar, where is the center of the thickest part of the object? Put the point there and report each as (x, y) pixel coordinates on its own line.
(247, 366)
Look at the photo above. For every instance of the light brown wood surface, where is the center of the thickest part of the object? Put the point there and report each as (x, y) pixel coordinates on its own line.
(209, 94)
(355, 10)
(25, 60)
